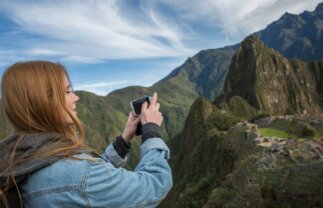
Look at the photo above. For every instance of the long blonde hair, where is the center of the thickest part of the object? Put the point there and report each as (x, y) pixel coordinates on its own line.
(33, 99)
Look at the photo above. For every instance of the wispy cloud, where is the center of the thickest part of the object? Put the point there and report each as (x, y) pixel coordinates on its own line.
(94, 30)
(99, 30)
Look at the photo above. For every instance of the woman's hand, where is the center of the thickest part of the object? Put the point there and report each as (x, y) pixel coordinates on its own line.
(151, 113)
(130, 128)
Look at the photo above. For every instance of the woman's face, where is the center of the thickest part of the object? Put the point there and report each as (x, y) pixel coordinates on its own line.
(71, 100)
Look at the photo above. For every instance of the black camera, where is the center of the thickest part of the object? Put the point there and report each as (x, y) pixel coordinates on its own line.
(136, 110)
(137, 103)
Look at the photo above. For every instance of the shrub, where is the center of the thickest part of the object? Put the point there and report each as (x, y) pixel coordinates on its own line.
(222, 120)
(307, 132)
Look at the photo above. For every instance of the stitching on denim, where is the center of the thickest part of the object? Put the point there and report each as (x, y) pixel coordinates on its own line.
(88, 173)
(76, 187)
(84, 184)
(52, 191)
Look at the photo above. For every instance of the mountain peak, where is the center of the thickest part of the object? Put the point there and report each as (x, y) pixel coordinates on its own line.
(270, 82)
(319, 8)
(296, 36)
(250, 43)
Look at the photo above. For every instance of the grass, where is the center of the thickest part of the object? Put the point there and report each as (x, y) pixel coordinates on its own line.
(318, 134)
(292, 129)
(270, 132)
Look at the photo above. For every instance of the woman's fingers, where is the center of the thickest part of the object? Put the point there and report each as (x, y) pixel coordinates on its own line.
(130, 117)
(157, 106)
(154, 99)
(144, 107)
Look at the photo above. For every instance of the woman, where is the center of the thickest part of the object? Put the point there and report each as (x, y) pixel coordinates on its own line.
(45, 162)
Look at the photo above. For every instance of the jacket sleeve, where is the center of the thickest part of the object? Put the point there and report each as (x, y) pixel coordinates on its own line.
(111, 155)
(146, 186)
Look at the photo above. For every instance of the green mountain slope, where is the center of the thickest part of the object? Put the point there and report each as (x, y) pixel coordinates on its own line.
(104, 117)
(207, 70)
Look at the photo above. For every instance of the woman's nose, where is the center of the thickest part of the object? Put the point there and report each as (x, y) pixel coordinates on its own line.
(77, 98)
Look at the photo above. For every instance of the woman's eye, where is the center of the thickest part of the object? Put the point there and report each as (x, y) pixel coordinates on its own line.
(69, 90)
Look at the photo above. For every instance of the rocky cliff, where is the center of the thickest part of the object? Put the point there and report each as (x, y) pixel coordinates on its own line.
(271, 83)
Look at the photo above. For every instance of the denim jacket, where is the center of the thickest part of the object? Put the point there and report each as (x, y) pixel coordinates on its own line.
(88, 181)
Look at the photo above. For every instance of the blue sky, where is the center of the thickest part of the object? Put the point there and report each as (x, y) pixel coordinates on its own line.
(110, 44)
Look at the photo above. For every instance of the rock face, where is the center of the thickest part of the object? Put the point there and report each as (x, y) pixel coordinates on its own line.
(271, 83)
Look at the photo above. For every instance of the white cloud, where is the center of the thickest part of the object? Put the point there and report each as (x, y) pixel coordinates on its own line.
(82, 59)
(102, 88)
(102, 84)
(44, 52)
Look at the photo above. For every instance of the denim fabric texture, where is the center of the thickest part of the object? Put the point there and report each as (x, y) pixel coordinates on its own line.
(88, 181)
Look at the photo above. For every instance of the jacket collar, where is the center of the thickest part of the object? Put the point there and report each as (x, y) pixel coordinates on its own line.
(28, 145)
